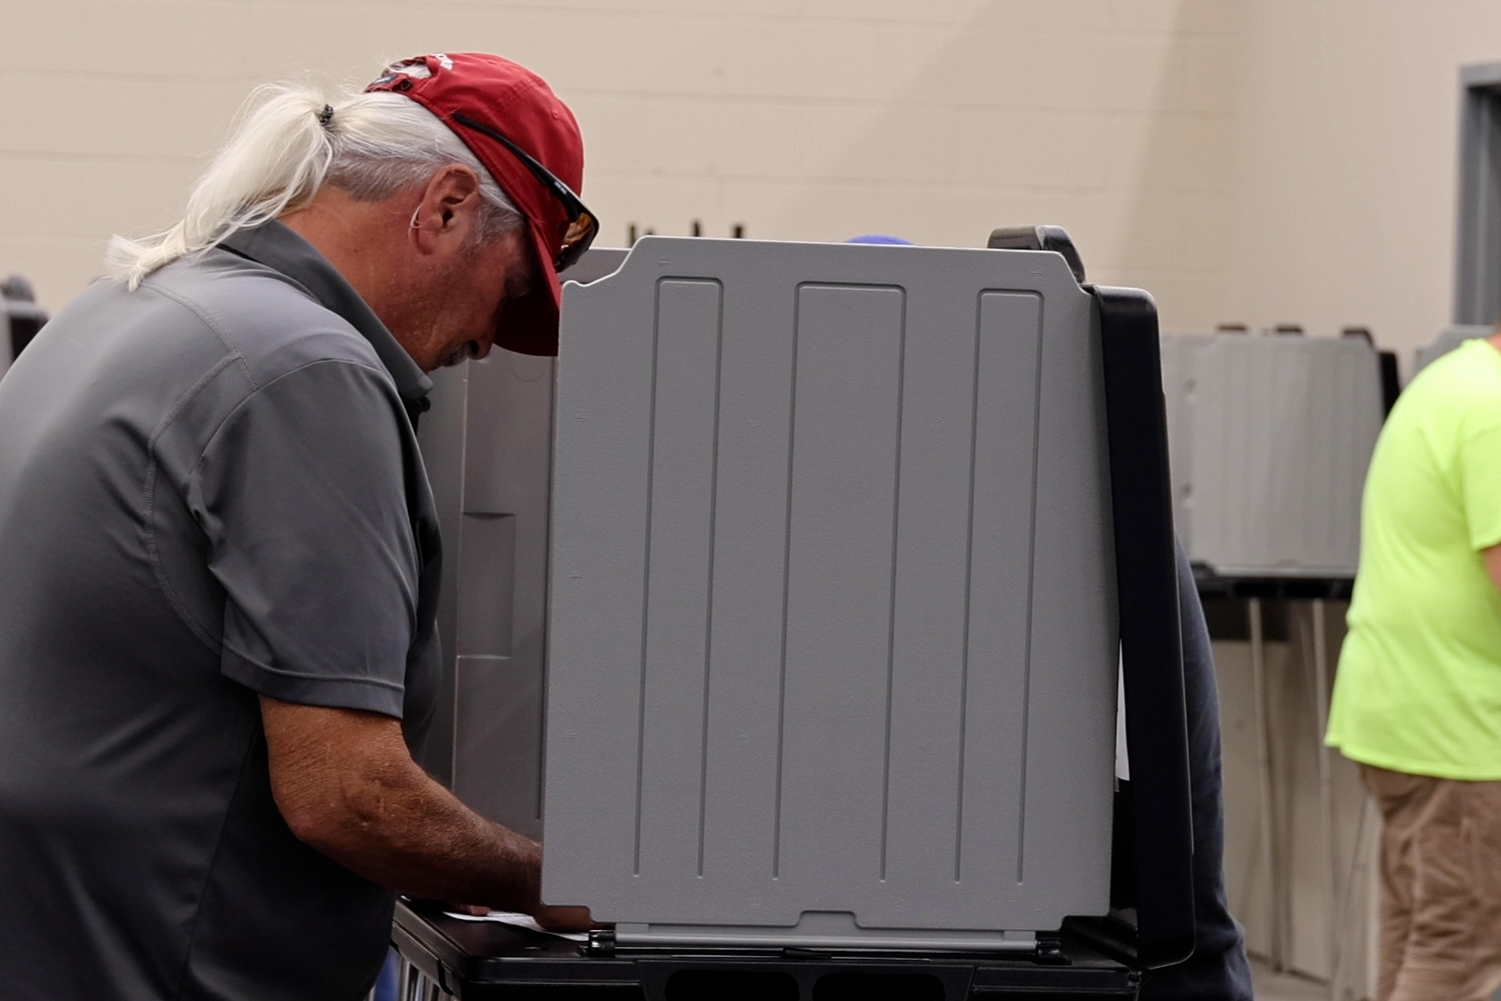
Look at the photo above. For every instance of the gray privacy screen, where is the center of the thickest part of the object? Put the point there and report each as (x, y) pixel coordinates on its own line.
(1270, 439)
(832, 636)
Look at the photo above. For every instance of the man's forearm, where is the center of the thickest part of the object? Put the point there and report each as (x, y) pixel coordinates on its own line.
(346, 785)
(409, 833)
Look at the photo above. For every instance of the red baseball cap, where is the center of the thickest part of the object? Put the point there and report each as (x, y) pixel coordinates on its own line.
(507, 115)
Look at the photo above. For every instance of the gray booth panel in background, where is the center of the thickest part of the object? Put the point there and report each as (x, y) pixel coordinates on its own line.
(832, 636)
(487, 445)
(1448, 339)
(20, 319)
(1270, 438)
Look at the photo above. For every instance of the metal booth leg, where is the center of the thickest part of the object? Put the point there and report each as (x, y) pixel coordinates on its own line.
(1268, 846)
(1326, 786)
(413, 985)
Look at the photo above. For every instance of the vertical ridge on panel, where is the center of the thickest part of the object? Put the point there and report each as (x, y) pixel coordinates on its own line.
(1294, 375)
(1029, 574)
(1325, 531)
(1252, 477)
(703, 768)
(1231, 488)
(1285, 405)
(747, 607)
(1310, 540)
(1008, 353)
(896, 523)
(1211, 457)
(1229, 442)
(776, 832)
(679, 562)
(1270, 516)
(1347, 442)
(839, 579)
(969, 590)
(928, 621)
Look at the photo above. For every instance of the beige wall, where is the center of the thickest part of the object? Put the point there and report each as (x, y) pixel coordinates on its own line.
(802, 119)
(1345, 159)
(1266, 161)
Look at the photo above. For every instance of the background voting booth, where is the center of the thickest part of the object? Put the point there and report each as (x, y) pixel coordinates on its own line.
(807, 566)
(1270, 439)
(20, 319)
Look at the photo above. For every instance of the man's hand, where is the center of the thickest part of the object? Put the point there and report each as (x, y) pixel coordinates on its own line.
(564, 918)
(347, 786)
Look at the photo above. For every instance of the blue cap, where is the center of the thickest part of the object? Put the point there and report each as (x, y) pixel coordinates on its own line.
(894, 241)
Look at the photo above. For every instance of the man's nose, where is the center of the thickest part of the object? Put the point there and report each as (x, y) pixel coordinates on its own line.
(481, 348)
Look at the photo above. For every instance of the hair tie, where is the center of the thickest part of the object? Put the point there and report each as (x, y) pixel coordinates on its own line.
(326, 115)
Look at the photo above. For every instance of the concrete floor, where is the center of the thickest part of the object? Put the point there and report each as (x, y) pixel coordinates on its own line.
(1283, 987)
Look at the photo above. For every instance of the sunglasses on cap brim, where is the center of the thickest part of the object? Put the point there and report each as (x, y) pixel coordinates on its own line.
(582, 225)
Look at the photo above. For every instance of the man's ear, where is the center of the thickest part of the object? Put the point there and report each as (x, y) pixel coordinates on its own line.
(449, 208)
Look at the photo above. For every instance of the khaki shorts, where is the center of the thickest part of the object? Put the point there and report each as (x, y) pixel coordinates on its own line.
(1440, 887)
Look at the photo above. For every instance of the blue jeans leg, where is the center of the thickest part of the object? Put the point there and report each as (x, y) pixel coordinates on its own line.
(385, 984)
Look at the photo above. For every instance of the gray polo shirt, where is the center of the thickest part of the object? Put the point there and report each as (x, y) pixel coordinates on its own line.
(209, 488)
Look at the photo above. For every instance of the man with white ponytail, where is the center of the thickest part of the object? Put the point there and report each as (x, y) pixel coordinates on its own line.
(217, 643)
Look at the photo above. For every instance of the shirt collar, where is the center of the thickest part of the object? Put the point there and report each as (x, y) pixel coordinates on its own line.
(275, 245)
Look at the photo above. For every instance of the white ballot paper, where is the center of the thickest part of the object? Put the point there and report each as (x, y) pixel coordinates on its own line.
(519, 921)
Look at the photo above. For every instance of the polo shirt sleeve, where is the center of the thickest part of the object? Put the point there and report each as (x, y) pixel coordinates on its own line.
(1480, 474)
(302, 494)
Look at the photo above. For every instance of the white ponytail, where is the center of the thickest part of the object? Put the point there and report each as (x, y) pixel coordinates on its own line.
(287, 148)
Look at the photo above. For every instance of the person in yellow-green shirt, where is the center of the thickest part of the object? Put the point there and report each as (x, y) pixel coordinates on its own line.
(1417, 698)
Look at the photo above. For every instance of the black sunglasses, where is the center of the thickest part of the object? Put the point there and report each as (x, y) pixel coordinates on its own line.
(582, 224)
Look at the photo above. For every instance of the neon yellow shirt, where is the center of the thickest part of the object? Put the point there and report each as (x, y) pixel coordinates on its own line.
(1419, 682)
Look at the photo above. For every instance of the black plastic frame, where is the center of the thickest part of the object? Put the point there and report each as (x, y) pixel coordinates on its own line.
(1161, 814)
(1054, 238)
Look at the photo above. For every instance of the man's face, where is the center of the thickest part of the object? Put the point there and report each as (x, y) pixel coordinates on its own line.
(423, 262)
(443, 288)
(465, 301)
